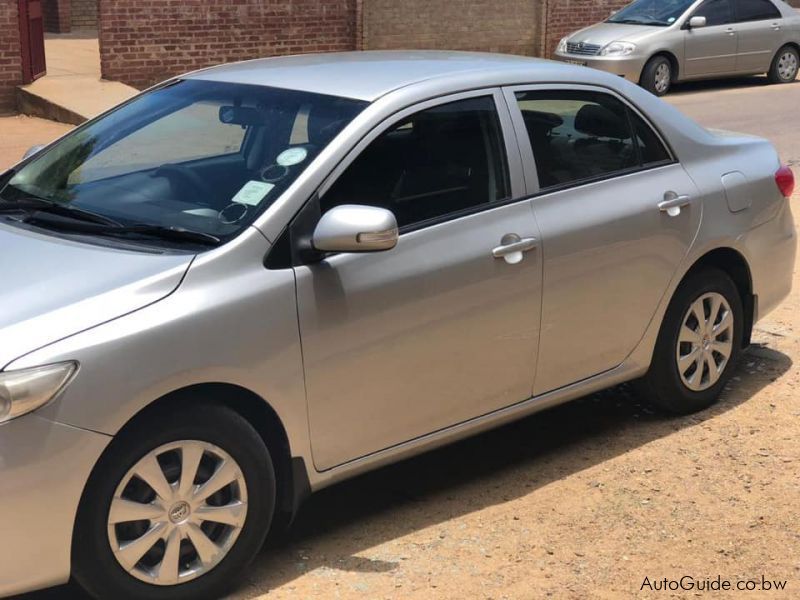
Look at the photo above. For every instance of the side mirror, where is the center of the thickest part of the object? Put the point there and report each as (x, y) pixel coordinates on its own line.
(697, 22)
(33, 150)
(356, 228)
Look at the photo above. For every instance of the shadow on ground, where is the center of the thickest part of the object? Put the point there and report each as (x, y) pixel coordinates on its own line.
(711, 85)
(485, 470)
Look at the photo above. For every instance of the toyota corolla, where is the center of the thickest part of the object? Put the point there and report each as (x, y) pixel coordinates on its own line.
(257, 280)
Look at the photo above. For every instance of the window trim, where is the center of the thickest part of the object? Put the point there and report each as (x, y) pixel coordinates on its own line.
(738, 19)
(510, 145)
(526, 149)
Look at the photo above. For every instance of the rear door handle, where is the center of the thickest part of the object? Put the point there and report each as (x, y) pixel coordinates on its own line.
(512, 248)
(673, 203)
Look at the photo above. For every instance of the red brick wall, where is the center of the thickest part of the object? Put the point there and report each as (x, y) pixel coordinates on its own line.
(566, 16)
(509, 26)
(145, 41)
(83, 14)
(10, 57)
(56, 15)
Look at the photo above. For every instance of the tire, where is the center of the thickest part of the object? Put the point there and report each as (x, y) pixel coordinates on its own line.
(678, 389)
(784, 66)
(657, 75)
(217, 437)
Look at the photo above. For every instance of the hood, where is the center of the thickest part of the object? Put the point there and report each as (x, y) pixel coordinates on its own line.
(605, 33)
(53, 288)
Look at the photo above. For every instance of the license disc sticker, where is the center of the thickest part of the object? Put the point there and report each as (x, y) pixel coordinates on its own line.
(253, 192)
(292, 156)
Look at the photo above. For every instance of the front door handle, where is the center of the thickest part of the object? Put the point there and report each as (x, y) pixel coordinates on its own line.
(512, 248)
(673, 203)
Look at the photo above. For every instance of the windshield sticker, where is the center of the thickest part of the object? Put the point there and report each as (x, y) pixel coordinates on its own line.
(292, 156)
(671, 20)
(252, 193)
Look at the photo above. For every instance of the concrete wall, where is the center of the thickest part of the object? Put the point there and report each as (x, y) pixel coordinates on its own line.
(145, 41)
(511, 26)
(10, 57)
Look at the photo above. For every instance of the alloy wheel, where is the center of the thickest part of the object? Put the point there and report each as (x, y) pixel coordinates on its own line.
(177, 512)
(705, 342)
(662, 77)
(787, 66)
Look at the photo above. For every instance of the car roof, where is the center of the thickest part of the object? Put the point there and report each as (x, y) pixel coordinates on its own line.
(372, 74)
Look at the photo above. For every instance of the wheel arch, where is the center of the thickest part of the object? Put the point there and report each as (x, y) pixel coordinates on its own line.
(732, 262)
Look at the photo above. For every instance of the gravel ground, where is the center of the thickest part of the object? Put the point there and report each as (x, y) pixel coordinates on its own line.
(589, 499)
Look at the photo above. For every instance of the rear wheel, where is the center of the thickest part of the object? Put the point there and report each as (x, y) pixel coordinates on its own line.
(784, 66)
(657, 75)
(699, 344)
(176, 508)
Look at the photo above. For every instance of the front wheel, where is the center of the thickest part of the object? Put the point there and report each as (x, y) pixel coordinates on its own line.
(176, 508)
(699, 344)
(784, 66)
(657, 75)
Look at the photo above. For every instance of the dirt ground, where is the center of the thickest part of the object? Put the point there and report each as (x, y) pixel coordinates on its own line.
(587, 500)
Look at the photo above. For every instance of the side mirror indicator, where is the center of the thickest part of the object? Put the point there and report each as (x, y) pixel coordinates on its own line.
(356, 228)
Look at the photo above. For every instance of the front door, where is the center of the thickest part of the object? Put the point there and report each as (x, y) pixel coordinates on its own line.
(617, 215)
(711, 50)
(403, 343)
(31, 32)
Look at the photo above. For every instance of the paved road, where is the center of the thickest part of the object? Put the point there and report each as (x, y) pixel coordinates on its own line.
(586, 500)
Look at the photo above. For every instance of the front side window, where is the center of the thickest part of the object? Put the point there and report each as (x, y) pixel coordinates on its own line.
(196, 155)
(716, 12)
(660, 13)
(579, 136)
(435, 163)
(756, 10)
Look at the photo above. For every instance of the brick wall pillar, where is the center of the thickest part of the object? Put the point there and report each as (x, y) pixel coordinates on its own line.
(57, 16)
(10, 55)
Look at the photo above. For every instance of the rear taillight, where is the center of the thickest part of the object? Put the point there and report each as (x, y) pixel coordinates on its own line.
(785, 180)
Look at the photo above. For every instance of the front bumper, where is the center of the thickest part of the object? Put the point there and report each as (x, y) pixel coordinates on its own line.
(43, 469)
(629, 67)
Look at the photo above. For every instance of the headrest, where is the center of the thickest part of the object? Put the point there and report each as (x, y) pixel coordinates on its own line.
(538, 120)
(598, 121)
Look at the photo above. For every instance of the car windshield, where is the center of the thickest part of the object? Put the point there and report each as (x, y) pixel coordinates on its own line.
(652, 12)
(194, 155)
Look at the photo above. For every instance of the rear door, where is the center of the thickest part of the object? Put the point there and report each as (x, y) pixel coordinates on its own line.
(599, 175)
(711, 50)
(759, 34)
(436, 331)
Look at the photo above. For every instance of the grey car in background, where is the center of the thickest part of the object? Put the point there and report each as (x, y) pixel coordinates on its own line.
(659, 42)
(257, 280)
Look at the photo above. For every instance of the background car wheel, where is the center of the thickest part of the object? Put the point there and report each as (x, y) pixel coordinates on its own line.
(699, 344)
(178, 505)
(784, 66)
(657, 75)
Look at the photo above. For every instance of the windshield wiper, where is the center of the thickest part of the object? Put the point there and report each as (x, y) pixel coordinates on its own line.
(178, 234)
(32, 203)
(636, 22)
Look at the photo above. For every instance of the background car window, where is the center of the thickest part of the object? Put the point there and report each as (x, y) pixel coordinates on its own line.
(716, 12)
(437, 162)
(577, 135)
(190, 133)
(756, 10)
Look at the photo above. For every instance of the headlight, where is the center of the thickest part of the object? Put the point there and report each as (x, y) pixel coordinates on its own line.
(26, 390)
(618, 49)
(562, 46)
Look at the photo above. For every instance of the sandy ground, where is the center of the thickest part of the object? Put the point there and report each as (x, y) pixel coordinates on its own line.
(586, 500)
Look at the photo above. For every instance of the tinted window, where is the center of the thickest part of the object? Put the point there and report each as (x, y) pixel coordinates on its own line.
(577, 135)
(716, 12)
(437, 162)
(651, 150)
(756, 10)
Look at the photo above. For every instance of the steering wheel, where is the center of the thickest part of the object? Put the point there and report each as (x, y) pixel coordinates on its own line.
(181, 175)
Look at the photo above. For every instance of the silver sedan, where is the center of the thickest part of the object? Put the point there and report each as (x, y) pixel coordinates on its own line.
(659, 42)
(260, 279)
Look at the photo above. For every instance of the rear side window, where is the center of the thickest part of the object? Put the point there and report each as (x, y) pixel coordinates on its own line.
(756, 10)
(438, 162)
(578, 136)
(716, 12)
